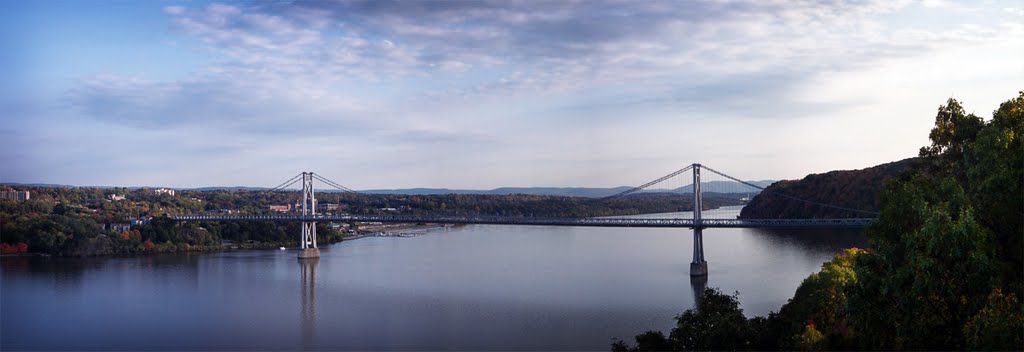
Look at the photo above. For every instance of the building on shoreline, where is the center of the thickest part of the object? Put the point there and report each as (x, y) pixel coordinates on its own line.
(15, 195)
(118, 227)
(166, 191)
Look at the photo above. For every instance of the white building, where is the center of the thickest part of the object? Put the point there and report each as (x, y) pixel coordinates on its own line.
(167, 191)
(15, 195)
(119, 227)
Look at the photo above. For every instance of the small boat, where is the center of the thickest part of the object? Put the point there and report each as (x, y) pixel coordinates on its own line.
(282, 248)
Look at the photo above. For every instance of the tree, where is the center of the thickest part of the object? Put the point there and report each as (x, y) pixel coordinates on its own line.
(947, 239)
(811, 339)
(997, 326)
(995, 183)
(718, 324)
(930, 271)
(952, 135)
(648, 341)
(819, 307)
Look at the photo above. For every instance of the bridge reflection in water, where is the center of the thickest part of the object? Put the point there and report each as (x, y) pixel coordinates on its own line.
(698, 283)
(309, 317)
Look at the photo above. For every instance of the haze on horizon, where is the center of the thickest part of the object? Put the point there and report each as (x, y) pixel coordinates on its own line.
(480, 95)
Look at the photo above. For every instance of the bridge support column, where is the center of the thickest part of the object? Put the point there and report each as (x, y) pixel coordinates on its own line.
(699, 267)
(308, 242)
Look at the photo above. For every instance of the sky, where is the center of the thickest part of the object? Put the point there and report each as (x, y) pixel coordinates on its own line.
(480, 94)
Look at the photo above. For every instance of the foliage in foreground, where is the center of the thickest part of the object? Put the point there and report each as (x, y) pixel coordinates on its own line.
(944, 272)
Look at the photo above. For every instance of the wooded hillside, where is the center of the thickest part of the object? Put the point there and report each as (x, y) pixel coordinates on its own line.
(854, 189)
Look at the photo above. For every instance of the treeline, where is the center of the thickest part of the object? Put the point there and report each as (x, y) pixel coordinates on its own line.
(526, 205)
(76, 221)
(72, 221)
(944, 271)
(75, 234)
(851, 189)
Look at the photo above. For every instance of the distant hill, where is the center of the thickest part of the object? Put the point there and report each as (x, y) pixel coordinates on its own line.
(855, 189)
(713, 186)
(589, 192)
(537, 191)
(35, 184)
(228, 188)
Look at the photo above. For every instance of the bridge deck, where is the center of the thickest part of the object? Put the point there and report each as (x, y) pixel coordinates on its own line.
(592, 222)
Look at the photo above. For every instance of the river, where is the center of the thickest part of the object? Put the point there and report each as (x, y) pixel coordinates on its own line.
(478, 287)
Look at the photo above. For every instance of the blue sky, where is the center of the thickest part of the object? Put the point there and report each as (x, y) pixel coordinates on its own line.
(485, 94)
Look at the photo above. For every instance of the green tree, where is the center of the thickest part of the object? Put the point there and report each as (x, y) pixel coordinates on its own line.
(999, 325)
(648, 341)
(820, 303)
(718, 324)
(995, 183)
(810, 339)
(952, 135)
(931, 270)
(948, 237)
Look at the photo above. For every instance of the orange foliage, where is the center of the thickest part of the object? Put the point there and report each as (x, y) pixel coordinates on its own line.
(13, 248)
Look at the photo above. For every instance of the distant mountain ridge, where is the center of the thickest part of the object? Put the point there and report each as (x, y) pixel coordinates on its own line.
(227, 188)
(589, 192)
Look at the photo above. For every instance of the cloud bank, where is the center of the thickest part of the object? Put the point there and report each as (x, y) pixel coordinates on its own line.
(395, 94)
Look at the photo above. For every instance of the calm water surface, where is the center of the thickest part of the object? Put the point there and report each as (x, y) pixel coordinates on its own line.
(472, 287)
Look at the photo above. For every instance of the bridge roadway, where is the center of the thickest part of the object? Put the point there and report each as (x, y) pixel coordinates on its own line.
(592, 222)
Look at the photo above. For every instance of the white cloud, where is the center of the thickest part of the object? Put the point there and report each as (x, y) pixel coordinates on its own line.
(174, 10)
(542, 83)
(221, 9)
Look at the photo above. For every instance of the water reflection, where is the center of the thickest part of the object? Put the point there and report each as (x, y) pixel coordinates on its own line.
(468, 288)
(814, 240)
(698, 284)
(308, 267)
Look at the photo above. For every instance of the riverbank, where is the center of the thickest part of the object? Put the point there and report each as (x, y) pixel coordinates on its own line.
(396, 230)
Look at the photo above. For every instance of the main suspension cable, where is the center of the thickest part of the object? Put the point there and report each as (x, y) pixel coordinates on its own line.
(333, 184)
(287, 184)
(641, 187)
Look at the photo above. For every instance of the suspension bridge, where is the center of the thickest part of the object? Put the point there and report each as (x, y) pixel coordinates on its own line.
(698, 219)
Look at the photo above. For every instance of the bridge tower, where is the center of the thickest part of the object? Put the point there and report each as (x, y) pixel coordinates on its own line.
(699, 267)
(308, 242)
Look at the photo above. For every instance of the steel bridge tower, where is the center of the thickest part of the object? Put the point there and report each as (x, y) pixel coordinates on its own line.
(699, 267)
(308, 242)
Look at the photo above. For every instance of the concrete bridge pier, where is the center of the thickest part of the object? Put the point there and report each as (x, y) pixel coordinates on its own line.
(309, 253)
(699, 267)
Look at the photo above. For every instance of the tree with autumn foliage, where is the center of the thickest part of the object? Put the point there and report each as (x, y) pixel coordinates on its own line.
(947, 246)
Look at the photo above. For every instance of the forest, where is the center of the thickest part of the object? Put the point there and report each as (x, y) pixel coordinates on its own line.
(851, 193)
(943, 272)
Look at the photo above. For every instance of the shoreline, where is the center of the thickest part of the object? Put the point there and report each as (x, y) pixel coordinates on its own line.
(391, 231)
(396, 230)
